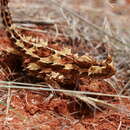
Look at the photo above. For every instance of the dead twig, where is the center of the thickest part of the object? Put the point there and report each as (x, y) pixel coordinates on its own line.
(73, 12)
(34, 22)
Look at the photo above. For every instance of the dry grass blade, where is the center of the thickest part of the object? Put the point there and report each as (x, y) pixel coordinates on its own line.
(78, 94)
(10, 84)
(117, 40)
(93, 101)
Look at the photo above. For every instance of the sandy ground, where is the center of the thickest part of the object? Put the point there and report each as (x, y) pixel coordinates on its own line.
(22, 109)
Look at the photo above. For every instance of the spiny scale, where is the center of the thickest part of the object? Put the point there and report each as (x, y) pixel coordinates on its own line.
(51, 60)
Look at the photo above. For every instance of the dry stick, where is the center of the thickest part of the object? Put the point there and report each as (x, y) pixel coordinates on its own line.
(125, 87)
(34, 22)
(92, 101)
(86, 21)
(37, 30)
(8, 84)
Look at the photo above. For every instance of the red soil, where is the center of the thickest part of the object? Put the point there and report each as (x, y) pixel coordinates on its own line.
(38, 110)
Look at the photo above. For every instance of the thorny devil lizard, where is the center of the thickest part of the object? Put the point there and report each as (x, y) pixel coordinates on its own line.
(60, 65)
